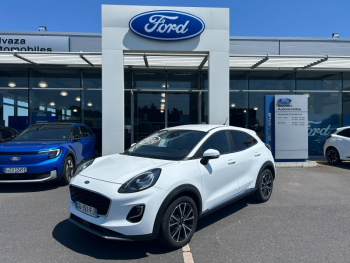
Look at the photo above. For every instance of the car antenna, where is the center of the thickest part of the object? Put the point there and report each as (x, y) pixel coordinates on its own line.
(225, 121)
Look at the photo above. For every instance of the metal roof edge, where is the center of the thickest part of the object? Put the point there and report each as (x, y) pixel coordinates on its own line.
(289, 38)
(45, 33)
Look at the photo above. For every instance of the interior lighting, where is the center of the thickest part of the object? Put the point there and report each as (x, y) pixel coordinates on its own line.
(162, 111)
(42, 84)
(233, 105)
(64, 93)
(77, 98)
(52, 103)
(89, 104)
(245, 111)
(75, 110)
(12, 84)
(162, 100)
(163, 95)
(307, 94)
(255, 108)
(162, 105)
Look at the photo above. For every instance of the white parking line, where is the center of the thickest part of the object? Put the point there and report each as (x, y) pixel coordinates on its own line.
(187, 254)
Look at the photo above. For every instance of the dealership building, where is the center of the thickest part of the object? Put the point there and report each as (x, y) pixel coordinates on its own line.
(150, 69)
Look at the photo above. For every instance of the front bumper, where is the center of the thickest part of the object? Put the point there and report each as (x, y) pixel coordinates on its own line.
(121, 204)
(21, 178)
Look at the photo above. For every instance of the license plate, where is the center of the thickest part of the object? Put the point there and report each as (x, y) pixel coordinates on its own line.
(15, 170)
(89, 210)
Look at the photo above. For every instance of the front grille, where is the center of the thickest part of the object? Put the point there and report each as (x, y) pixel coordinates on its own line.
(14, 177)
(89, 198)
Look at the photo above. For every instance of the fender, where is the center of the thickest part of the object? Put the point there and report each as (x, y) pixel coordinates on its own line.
(263, 167)
(178, 190)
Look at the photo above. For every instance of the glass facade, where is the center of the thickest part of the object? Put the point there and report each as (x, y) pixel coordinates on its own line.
(165, 98)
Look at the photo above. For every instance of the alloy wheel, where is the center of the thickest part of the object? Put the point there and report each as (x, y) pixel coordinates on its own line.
(332, 156)
(266, 184)
(69, 170)
(181, 222)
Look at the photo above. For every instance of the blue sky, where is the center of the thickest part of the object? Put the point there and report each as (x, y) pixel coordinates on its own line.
(272, 18)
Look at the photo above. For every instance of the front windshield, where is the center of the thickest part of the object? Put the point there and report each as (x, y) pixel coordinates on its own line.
(168, 145)
(45, 133)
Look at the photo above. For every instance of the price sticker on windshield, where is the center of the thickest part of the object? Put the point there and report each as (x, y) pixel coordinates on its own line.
(150, 140)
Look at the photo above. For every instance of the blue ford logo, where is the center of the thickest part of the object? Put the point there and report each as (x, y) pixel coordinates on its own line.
(284, 101)
(166, 25)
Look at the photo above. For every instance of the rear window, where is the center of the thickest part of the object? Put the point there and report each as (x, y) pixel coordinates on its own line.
(345, 133)
(242, 141)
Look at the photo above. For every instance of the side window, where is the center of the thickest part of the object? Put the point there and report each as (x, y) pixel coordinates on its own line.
(253, 140)
(241, 140)
(76, 132)
(219, 141)
(6, 135)
(345, 133)
(85, 132)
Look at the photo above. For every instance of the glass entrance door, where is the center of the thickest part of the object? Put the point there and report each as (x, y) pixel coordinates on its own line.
(182, 108)
(148, 115)
(153, 111)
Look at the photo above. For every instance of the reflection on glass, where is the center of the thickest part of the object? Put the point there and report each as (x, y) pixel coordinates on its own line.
(13, 78)
(205, 108)
(324, 118)
(63, 104)
(183, 80)
(127, 119)
(271, 81)
(238, 109)
(55, 78)
(318, 81)
(148, 117)
(149, 80)
(346, 109)
(92, 78)
(182, 109)
(14, 108)
(238, 81)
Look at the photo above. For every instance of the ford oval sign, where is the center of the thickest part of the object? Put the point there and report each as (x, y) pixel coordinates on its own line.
(166, 25)
(284, 101)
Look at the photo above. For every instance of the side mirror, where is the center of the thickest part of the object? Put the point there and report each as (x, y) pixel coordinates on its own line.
(132, 144)
(209, 154)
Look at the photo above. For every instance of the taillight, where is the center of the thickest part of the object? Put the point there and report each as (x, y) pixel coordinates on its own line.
(268, 146)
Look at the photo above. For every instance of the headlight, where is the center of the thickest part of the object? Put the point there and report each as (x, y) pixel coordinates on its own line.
(140, 182)
(83, 166)
(52, 153)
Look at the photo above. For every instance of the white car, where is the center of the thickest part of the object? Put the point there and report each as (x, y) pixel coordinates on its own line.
(161, 186)
(337, 146)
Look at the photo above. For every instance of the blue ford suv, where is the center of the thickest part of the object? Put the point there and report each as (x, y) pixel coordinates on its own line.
(45, 152)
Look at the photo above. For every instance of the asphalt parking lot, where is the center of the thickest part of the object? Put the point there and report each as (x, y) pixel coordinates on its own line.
(306, 220)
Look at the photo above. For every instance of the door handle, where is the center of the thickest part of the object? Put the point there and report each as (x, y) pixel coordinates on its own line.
(339, 139)
(257, 154)
(230, 162)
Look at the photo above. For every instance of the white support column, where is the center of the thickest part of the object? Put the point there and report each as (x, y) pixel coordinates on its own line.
(219, 87)
(113, 102)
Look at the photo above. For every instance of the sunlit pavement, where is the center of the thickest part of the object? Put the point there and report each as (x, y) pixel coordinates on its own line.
(306, 220)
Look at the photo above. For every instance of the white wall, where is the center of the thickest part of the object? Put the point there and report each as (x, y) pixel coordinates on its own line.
(117, 37)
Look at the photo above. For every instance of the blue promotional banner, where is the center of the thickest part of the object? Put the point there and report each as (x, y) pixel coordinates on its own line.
(39, 117)
(269, 126)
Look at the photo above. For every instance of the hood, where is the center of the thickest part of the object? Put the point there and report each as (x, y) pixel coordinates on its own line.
(119, 168)
(29, 146)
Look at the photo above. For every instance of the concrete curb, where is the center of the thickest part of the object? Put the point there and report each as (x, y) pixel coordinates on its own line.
(295, 164)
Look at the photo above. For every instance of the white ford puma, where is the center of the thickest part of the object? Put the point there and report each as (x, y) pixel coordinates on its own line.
(162, 185)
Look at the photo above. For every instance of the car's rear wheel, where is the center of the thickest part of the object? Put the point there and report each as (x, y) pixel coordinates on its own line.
(264, 186)
(178, 223)
(333, 156)
(68, 170)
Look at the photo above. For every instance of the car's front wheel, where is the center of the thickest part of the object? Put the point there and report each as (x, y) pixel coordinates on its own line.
(333, 156)
(178, 223)
(264, 185)
(68, 170)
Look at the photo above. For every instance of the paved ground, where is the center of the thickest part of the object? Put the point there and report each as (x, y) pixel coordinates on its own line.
(306, 220)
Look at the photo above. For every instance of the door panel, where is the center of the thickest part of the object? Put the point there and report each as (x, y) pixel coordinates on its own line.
(219, 176)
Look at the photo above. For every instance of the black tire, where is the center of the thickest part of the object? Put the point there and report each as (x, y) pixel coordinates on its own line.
(67, 170)
(333, 156)
(177, 227)
(264, 184)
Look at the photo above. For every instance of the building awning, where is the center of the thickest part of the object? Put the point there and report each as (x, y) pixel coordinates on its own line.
(178, 60)
(291, 62)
